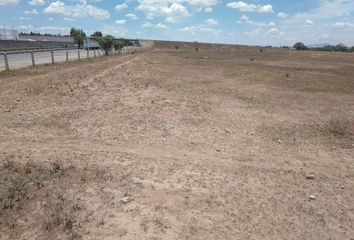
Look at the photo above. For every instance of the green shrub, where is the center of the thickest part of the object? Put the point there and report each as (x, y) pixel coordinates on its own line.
(106, 43)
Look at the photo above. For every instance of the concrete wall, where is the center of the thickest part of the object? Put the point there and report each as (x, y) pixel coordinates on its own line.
(47, 38)
(22, 44)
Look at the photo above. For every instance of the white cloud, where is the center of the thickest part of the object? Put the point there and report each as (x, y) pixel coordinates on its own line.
(208, 9)
(170, 20)
(158, 25)
(121, 7)
(255, 24)
(327, 10)
(121, 22)
(273, 31)
(79, 10)
(246, 7)
(211, 22)
(282, 15)
(244, 18)
(309, 22)
(32, 12)
(203, 3)
(200, 29)
(164, 8)
(9, 2)
(271, 24)
(69, 19)
(344, 24)
(24, 18)
(37, 2)
(131, 16)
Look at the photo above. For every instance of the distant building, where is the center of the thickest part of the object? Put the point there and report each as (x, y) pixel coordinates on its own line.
(8, 34)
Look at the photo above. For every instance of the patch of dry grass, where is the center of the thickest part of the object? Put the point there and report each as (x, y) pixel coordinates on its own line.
(339, 126)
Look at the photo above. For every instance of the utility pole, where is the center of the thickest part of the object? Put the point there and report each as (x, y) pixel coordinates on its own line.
(4, 31)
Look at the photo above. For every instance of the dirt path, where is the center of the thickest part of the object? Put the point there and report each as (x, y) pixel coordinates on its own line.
(198, 145)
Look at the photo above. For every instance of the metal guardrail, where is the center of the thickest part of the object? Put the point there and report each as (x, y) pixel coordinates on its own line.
(51, 58)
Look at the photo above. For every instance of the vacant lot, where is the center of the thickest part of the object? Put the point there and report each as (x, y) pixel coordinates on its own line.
(221, 143)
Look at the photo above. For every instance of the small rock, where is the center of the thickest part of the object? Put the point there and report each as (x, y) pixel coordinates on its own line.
(310, 176)
(279, 141)
(18, 99)
(7, 110)
(126, 200)
(312, 197)
(218, 150)
(342, 187)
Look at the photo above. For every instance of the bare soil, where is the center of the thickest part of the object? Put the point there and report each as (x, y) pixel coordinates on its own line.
(226, 142)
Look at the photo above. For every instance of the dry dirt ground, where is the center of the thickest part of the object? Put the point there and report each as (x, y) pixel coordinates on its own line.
(222, 143)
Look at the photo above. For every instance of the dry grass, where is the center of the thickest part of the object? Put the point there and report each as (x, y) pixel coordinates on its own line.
(16, 179)
(207, 145)
(339, 127)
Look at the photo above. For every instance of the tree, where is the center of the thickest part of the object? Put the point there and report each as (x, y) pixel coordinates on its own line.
(106, 43)
(118, 44)
(78, 36)
(97, 34)
(352, 49)
(341, 48)
(300, 46)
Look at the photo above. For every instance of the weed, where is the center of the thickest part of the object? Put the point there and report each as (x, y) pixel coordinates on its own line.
(57, 167)
(69, 222)
(9, 164)
(15, 192)
(339, 126)
(16, 178)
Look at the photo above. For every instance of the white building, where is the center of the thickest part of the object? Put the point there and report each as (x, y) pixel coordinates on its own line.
(8, 34)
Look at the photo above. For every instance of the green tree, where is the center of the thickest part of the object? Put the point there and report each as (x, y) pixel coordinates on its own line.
(97, 34)
(300, 46)
(106, 43)
(118, 44)
(341, 48)
(78, 35)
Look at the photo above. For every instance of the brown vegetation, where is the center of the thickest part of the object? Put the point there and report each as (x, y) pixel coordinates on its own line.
(180, 144)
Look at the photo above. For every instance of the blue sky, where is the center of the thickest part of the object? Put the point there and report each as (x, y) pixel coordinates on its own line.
(262, 22)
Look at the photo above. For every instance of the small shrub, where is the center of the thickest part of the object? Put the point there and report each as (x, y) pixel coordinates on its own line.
(69, 222)
(196, 49)
(9, 164)
(16, 191)
(339, 127)
(287, 75)
(252, 59)
(57, 167)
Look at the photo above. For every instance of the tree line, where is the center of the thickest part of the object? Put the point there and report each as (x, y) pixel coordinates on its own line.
(106, 42)
(330, 48)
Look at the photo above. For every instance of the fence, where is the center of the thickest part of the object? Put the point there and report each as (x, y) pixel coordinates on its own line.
(20, 59)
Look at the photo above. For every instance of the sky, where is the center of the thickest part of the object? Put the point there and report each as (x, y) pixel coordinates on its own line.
(251, 22)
